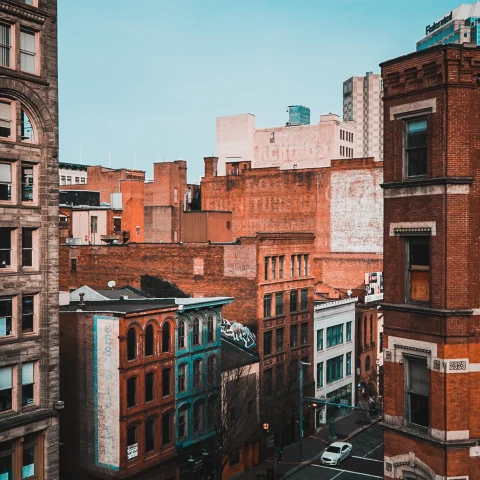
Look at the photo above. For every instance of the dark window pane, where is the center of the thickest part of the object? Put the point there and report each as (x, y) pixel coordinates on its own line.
(279, 340)
(420, 252)
(279, 303)
(166, 337)
(5, 247)
(131, 436)
(149, 386)
(27, 313)
(6, 384)
(28, 464)
(131, 392)
(5, 317)
(181, 335)
(149, 341)
(419, 411)
(293, 301)
(166, 382)
(6, 461)
(166, 429)
(293, 335)
(267, 343)
(131, 344)
(149, 436)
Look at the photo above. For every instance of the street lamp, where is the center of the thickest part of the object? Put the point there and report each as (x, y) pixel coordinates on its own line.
(301, 408)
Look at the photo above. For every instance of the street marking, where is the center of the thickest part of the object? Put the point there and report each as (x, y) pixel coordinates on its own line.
(369, 459)
(337, 475)
(373, 449)
(345, 471)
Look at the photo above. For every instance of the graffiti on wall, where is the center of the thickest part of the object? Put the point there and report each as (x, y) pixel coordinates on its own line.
(238, 332)
(107, 392)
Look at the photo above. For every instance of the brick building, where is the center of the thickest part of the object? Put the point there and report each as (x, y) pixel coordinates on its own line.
(29, 350)
(431, 323)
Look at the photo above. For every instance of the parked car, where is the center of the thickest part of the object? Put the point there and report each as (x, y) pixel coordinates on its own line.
(335, 453)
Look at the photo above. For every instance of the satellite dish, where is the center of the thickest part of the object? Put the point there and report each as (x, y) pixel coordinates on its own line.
(111, 284)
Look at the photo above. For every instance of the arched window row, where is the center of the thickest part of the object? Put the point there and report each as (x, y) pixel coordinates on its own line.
(150, 340)
(198, 325)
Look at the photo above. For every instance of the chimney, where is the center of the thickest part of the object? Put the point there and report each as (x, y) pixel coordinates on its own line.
(81, 304)
(210, 166)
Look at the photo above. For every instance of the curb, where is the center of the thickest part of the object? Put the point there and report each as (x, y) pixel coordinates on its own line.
(304, 464)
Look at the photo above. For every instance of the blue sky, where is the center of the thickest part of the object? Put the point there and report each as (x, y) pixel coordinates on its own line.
(150, 76)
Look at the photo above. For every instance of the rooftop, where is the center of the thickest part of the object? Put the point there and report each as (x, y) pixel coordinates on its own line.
(235, 355)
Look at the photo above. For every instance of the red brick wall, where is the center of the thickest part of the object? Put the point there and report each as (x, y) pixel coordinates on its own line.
(158, 223)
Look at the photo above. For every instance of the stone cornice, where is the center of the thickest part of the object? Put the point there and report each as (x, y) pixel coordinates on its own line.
(23, 11)
(429, 181)
(410, 308)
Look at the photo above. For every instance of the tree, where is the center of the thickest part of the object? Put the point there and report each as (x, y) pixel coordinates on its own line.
(158, 287)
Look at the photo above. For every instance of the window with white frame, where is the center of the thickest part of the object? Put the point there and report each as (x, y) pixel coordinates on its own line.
(6, 316)
(28, 51)
(6, 176)
(28, 384)
(5, 45)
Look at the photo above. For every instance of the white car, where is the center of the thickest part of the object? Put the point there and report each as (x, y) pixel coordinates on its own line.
(335, 453)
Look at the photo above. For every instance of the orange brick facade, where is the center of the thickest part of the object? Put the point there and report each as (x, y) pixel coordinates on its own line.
(438, 86)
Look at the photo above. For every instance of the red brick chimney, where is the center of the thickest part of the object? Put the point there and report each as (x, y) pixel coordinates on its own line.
(210, 166)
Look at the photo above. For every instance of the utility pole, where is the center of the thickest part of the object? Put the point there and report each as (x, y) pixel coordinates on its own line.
(301, 408)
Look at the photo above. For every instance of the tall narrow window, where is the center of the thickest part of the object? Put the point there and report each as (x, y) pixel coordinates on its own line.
(182, 373)
(210, 329)
(211, 367)
(5, 248)
(349, 331)
(198, 417)
(380, 342)
(166, 337)
(166, 428)
(149, 387)
(196, 331)
(5, 119)
(304, 299)
(416, 147)
(117, 222)
(150, 435)
(131, 344)
(149, 340)
(274, 268)
(305, 265)
(349, 363)
(299, 266)
(279, 340)
(266, 262)
(93, 224)
(131, 392)
(293, 301)
(320, 375)
(182, 423)
(6, 317)
(166, 382)
(292, 266)
(319, 339)
(267, 306)
(181, 334)
(6, 388)
(281, 261)
(304, 333)
(27, 184)
(5, 45)
(5, 179)
(27, 247)
(28, 314)
(132, 445)
(28, 384)
(293, 335)
(293, 372)
(27, 51)
(371, 330)
(279, 303)
(418, 269)
(29, 455)
(175, 195)
(418, 392)
(267, 343)
(27, 132)
(197, 373)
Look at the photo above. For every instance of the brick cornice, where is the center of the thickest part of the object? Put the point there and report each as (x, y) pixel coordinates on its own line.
(429, 181)
(23, 11)
(25, 418)
(426, 310)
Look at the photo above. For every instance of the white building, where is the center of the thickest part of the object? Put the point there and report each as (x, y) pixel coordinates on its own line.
(72, 174)
(334, 356)
(362, 104)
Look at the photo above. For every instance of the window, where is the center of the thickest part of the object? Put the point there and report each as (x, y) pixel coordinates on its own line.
(367, 363)
(27, 184)
(166, 337)
(5, 248)
(149, 387)
(305, 265)
(279, 303)
(281, 261)
(197, 373)
(182, 423)
(211, 365)
(266, 261)
(131, 392)
(27, 247)
(364, 332)
(62, 180)
(267, 343)
(73, 264)
(198, 417)
(349, 363)
(280, 377)
(117, 222)
(319, 339)
(418, 269)
(27, 132)
(349, 331)
(267, 382)
(166, 426)
(165, 382)
(5, 179)
(77, 179)
(6, 317)
(304, 333)
(93, 224)
(279, 339)
(6, 388)
(6, 119)
(380, 342)
(210, 329)
(132, 445)
(29, 455)
(27, 51)
(28, 314)
(293, 301)
(292, 266)
(69, 180)
(196, 331)
(293, 335)
(149, 340)
(267, 306)
(334, 369)
(320, 375)
(299, 266)
(28, 384)
(304, 299)
(181, 334)
(416, 147)
(274, 268)
(83, 180)
(334, 335)
(131, 344)
(371, 330)
(182, 373)
(418, 392)
(150, 435)
(5, 45)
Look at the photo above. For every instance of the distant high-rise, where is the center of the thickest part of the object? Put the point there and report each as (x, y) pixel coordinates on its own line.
(362, 104)
(298, 115)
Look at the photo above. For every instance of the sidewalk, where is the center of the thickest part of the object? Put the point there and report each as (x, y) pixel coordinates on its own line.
(347, 427)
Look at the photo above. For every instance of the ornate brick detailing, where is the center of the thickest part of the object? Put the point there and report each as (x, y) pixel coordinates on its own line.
(388, 467)
(388, 356)
(437, 364)
(457, 365)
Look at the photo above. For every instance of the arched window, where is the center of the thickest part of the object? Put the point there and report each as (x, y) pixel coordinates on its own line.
(182, 377)
(131, 344)
(181, 334)
(211, 328)
(166, 429)
(27, 132)
(371, 329)
(132, 442)
(166, 337)
(197, 373)
(364, 331)
(198, 417)
(150, 435)
(367, 363)
(211, 364)
(149, 340)
(131, 392)
(196, 331)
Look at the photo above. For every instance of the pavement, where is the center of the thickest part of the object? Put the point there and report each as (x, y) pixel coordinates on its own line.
(366, 461)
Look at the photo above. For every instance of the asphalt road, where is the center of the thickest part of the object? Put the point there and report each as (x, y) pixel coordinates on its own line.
(365, 463)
